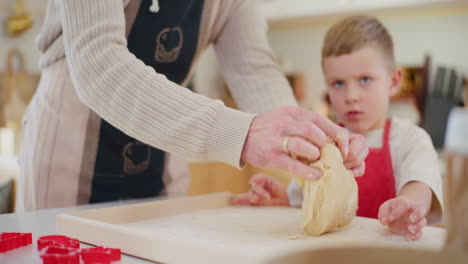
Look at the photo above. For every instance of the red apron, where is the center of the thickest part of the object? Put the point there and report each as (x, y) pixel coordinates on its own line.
(377, 185)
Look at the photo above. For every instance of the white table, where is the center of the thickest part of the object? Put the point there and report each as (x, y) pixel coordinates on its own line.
(42, 223)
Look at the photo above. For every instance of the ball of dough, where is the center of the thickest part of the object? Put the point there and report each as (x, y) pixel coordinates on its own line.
(330, 202)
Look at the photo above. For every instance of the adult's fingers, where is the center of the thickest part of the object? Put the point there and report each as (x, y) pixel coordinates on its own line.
(300, 147)
(333, 131)
(308, 131)
(302, 170)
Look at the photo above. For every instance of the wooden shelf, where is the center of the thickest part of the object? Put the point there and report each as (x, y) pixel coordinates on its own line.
(415, 85)
(287, 13)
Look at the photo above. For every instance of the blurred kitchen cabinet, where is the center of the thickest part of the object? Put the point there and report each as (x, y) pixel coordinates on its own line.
(414, 88)
(8, 181)
(297, 82)
(210, 177)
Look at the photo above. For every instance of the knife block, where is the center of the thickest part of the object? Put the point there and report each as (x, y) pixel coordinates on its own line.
(437, 110)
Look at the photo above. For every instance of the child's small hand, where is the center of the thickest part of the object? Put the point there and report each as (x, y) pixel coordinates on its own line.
(404, 217)
(357, 154)
(265, 191)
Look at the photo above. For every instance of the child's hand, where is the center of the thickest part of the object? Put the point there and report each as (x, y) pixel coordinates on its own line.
(265, 191)
(357, 154)
(404, 217)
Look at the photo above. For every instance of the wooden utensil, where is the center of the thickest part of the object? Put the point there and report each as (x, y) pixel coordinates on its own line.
(17, 87)
(20, 21)
(17, 83)
(456, 196)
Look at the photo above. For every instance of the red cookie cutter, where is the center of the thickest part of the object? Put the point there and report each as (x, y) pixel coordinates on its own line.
(9, 241)
(65, 250)
(57, 241)
(101, 255)
(60, 255)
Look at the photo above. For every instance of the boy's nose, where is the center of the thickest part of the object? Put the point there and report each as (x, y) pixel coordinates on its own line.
(352, 95)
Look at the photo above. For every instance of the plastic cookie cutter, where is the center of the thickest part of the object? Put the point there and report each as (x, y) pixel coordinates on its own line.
(101, 255)
(65, 250)
(57, 241)
(10, 241)
(60, 255)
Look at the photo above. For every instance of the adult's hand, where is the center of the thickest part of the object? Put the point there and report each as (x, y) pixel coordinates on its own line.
(304, 133)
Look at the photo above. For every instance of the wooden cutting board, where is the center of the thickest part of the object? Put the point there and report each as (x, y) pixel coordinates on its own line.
(207, 229)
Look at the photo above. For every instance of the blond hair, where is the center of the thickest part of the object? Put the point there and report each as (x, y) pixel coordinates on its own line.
(355, 32)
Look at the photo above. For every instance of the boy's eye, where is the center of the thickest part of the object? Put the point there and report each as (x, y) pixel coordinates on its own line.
(337, 84)
(364, 80)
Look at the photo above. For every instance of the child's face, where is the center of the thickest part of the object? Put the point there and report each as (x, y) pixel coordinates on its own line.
(360, 85)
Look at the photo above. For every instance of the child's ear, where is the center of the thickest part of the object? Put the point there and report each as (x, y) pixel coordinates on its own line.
(397, 78)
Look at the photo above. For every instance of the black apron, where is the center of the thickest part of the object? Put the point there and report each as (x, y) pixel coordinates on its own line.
(167, 41)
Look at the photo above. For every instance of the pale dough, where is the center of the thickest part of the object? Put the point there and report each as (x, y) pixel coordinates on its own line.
(330, 202)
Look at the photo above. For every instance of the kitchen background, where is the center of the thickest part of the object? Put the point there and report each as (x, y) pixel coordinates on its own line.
(431, 44)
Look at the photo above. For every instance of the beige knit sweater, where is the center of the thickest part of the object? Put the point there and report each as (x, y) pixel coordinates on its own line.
(88, 73)
(144, 104)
